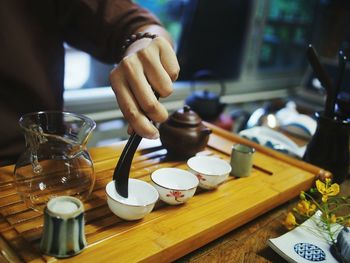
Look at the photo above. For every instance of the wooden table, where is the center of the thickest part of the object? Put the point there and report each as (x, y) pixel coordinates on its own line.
(229, 224)
(248, 243)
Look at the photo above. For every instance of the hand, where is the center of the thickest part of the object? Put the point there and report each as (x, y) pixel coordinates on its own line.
(149, 65)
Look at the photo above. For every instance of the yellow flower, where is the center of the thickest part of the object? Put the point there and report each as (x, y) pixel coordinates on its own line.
(333, 219)
(290, 221)
(306, 208)
(327, 189)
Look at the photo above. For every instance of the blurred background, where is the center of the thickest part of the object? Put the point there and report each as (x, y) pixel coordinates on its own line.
(247, 56)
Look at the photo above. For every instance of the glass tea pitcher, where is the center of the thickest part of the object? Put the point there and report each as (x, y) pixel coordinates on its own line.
(55, 161)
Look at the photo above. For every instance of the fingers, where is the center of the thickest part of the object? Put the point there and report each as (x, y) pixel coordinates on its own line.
(159, 64)
(138, 75)
(130, 130)
(168, 58)
(130, 109)
(142, 91)
(155, 73)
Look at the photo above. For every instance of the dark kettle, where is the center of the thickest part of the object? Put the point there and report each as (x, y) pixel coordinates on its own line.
(206, 104)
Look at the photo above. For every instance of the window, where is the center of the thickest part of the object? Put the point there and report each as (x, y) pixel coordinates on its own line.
(262, 54)
(286, 29)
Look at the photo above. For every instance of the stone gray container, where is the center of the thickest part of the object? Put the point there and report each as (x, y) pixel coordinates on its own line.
(63, 233)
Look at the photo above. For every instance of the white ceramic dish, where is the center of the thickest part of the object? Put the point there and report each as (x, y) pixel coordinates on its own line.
(140, 202)
(273, 139)
(175, 186)
(211, 171)
(302, 244)
(295, 123)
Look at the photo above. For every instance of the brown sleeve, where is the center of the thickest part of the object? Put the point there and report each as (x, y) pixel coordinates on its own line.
(100, 27)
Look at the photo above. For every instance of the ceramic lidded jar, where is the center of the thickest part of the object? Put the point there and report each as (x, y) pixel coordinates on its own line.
(184, 134)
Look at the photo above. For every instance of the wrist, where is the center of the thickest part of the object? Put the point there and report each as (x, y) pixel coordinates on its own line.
(135, 37)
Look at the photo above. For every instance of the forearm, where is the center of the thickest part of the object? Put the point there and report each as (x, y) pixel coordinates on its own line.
(99, 27)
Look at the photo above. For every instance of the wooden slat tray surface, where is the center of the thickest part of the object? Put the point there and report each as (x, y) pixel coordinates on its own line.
(168, 232)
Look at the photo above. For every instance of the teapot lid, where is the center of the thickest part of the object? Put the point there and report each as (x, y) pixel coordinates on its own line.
(186, 116)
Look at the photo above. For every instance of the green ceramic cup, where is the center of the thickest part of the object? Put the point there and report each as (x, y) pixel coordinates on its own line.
(63, 233)
(241, 160)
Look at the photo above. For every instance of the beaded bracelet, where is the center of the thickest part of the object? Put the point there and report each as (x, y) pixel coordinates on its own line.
(134, 37)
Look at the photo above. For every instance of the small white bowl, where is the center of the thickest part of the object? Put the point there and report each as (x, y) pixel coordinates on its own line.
(140, 202)
(211, 171)
(175, 186)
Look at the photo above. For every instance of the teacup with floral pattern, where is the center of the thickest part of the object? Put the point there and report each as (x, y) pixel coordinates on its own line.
(211, 171)
(175, 186)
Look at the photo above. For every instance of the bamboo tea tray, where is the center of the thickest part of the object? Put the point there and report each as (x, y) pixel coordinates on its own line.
(168, 232)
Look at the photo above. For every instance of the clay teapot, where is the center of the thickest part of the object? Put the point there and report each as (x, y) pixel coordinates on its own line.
(184, 134)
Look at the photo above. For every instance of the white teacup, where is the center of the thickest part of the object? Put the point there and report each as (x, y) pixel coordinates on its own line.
(175, 186)
(140, 202)
(211, 171)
